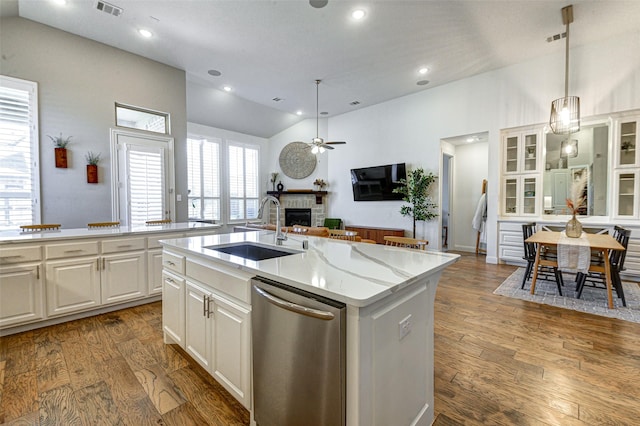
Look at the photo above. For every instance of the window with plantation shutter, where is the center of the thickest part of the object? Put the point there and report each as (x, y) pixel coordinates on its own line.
(243, 168)
(144, 173)
(203, 164)
(19, 171)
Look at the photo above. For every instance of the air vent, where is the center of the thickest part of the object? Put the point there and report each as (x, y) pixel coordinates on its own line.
(354, 103)
(556, 37)
(276, 99)
(109, 8)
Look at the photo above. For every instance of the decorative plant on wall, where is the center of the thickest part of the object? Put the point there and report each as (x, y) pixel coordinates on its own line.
(61, 149)
(92, 166)
(415, 189)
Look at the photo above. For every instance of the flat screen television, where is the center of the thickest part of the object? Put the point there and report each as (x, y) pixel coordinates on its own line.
(377, 183)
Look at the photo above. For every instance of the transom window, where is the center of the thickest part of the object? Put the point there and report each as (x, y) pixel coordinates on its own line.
(142, 119)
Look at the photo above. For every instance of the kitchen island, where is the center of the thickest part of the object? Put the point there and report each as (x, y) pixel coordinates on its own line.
(388, 292)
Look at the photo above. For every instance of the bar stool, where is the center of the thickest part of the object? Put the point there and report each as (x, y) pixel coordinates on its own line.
(103, 225)
(158, 222)
(42, 227)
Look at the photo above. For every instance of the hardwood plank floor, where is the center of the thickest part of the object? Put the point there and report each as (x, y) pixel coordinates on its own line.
(498, 361)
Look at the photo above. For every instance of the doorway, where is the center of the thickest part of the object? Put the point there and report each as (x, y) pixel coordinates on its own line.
(445, 200)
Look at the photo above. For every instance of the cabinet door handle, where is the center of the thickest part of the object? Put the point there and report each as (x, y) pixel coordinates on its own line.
(204, 305)
(73, 251)
(124, 246)
(15, 256)
(38, 272)
(170, 263)
(209, 300)
(169, 280)
(103, 263)
(98, 264)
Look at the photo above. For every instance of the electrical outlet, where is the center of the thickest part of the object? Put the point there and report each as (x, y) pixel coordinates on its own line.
(404, 327)
(179, 197)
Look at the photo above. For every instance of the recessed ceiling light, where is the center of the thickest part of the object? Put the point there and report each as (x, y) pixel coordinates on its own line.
(423, 70)
(470, 139)
(60, 2)
(214, 73)
(422, 82)
(227, 88)
(324, 113)
(299, 112)
(145, 33)
(358, 14)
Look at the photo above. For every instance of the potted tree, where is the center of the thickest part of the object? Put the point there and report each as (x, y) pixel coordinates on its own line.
(60, 144)
(415, 189)
(92, 166)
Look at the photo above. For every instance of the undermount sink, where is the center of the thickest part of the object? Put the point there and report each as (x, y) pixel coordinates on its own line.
(251, 251)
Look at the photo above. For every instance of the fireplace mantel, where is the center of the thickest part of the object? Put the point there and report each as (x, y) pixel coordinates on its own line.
(318, 194)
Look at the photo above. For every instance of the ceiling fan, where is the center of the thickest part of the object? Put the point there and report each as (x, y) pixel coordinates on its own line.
(317, 144)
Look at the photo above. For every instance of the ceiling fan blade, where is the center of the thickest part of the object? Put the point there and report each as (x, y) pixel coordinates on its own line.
(325, 146)
(335, 143)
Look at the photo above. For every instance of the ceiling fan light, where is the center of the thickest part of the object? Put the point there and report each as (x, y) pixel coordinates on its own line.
(314, 150)
(320, 149)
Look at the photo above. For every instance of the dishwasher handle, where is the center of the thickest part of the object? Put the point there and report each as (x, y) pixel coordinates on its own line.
(293, 307)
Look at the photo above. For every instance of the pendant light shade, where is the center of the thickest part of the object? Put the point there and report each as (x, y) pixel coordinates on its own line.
(565, 115)
(565, 112)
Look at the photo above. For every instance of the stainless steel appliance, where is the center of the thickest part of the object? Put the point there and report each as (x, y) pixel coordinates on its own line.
(298, 357)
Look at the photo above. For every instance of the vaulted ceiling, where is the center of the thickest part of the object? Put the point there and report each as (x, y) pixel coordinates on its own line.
(270, 51)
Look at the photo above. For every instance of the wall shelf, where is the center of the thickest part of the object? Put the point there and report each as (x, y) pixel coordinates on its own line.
(318, 194)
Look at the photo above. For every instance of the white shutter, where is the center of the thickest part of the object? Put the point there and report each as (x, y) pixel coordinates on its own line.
(19, 175)
(146, 183)
(243, 182)
(203, 162)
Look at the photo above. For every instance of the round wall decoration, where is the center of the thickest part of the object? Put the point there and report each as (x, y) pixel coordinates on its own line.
(297, 161)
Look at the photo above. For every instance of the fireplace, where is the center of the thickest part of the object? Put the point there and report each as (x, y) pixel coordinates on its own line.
(297, 217)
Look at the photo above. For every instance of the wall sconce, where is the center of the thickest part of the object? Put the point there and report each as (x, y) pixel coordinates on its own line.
(565, 112)
(569, 148)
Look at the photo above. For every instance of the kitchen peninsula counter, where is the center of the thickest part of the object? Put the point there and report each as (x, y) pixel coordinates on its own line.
(389, 295)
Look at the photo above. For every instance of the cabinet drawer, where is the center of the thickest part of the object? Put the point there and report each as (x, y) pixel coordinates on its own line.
(230, 282)
(173, 262)
(10, 255)
(122, 244)
(152, 242)
(511, 239)
(56, 251)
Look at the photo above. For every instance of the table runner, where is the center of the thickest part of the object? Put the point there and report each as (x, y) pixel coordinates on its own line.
(574, 254)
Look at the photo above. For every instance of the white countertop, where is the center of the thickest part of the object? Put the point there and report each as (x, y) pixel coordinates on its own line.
(18, 236)
(357, 274)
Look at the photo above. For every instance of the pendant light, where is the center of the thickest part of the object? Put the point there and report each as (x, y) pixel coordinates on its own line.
(565, 112)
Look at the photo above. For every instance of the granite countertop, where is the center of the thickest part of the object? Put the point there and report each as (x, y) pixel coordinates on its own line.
(18, 236)
(354, 273)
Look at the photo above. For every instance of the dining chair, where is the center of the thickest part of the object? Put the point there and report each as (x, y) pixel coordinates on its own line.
(341, 234)
(528, 229)
(596, 279)
(406, 242)
(41, 227)
(103, 224)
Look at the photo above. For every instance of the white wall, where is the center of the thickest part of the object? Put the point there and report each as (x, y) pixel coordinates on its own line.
(79, 81)
(470, 167)
(605, 75)
(304, 131)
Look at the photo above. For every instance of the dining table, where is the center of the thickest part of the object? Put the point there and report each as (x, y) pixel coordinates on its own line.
(602, 243)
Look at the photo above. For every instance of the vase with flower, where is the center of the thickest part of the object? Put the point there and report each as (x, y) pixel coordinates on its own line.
(320, 184)
(274, 178)
(574, 227)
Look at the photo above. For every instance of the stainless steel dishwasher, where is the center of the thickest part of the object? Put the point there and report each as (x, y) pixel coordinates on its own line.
(298, 356)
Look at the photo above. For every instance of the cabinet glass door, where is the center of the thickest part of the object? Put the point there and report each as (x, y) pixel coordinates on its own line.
(530, 153)
(511, 155)
(529, 195)
(628, 142)
(626, 183)
(511, 196)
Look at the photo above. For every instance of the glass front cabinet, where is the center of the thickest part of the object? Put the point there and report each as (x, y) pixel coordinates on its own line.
(519, 195)
(521, 151)
(626, 175)
(628, 143)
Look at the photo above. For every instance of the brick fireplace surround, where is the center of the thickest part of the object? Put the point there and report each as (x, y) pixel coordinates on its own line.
(301, 201)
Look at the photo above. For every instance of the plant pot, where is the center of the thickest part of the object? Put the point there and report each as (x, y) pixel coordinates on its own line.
(92, 173)
(61, 158)
(574, 228)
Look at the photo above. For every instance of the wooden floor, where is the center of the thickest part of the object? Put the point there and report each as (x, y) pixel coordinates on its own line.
(498, 361)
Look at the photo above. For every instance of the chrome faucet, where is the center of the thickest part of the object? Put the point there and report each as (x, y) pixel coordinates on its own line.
(280, 237)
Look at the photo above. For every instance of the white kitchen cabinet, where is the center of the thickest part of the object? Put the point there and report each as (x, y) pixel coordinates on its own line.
(626, 193)
(197, 324)
(230, 351)
(123, 276)
(21, 294)
(173, 305)
(72, 285)
(627, 152)
(520, 152)
(154, 262)
(519, 195)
